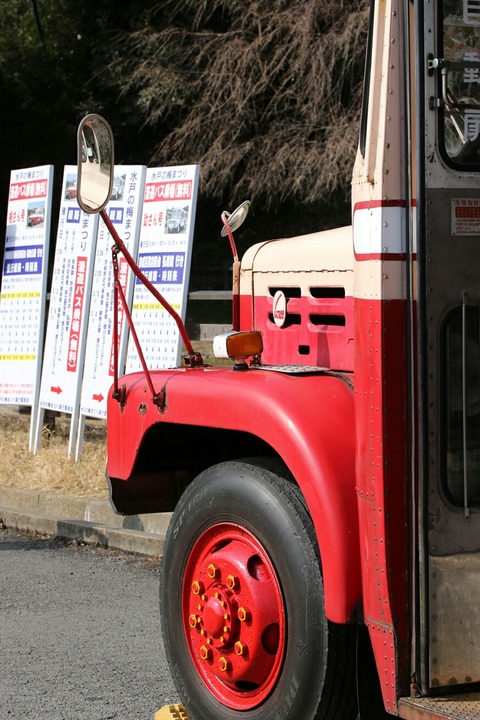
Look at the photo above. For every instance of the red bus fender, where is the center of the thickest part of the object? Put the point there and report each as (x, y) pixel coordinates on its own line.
(308, 419)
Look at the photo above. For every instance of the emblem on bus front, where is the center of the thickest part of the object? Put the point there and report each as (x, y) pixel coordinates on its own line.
(279, 308)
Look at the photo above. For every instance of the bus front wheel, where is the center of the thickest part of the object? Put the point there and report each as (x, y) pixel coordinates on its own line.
(241, 599)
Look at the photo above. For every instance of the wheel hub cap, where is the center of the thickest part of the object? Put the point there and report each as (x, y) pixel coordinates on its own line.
(234, 617)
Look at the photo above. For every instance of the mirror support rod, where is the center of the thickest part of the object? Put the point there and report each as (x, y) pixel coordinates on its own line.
(139, 274)
(119, 394)
(236, 274)
(192, 358)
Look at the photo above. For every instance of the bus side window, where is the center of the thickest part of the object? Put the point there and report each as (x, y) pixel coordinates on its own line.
(459, 81)
(461, 417)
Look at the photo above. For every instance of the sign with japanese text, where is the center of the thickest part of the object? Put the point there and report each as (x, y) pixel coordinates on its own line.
(164, 255)
(23, 287)
(69, 303)
(465, 216)
(124, 210)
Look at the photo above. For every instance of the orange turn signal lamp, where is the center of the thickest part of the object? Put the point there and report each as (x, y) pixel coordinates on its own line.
(238, 345)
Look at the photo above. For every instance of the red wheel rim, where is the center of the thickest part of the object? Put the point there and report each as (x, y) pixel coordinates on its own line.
(234, 616)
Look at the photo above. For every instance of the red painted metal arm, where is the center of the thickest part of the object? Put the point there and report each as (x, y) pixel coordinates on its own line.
(157, 295)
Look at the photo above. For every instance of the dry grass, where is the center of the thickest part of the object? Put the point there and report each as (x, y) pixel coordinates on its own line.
(50, 470)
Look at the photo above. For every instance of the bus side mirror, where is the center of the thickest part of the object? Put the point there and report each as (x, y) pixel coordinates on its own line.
(235, 219)
(95, 163)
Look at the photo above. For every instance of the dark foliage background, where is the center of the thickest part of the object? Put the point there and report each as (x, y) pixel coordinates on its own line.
(264, 94)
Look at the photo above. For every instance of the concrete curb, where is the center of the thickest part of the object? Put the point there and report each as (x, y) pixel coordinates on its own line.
(84, 519)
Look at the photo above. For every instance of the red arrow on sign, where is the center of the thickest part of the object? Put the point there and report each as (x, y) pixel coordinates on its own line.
(56, 390)
(98, 397)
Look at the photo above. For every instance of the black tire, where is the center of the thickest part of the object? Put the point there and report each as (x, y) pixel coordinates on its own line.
(238, 509)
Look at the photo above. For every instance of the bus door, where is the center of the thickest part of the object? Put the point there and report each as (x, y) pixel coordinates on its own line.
(448, 264)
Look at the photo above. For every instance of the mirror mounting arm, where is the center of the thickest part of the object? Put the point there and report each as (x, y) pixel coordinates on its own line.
(235, 272)
(192, 358)
(231, 222)
(228, 232)
(119, 394)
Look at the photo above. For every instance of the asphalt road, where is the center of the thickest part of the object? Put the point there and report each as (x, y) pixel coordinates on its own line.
(79, 633)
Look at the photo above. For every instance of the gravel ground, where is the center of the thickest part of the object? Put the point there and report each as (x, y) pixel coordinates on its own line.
(80, 634)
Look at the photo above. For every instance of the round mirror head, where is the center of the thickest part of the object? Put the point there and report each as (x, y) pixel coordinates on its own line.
(236, 218)
(95, 163)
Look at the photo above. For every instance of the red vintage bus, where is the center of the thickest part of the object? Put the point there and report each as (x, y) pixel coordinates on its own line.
(323, 556)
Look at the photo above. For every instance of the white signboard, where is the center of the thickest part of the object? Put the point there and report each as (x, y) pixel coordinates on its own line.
(69, 305)
(164, 256)
(24, 279)
(465, 216)
(124, 210)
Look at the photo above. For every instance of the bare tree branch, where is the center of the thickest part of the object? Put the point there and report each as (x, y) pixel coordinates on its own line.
(264, 94)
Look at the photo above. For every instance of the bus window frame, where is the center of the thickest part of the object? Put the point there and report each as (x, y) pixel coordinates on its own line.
(464, 167)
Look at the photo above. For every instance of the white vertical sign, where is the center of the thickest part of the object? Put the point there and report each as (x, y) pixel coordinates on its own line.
(124, 211)
(164, 256)
(68, 311)
(24, 281)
